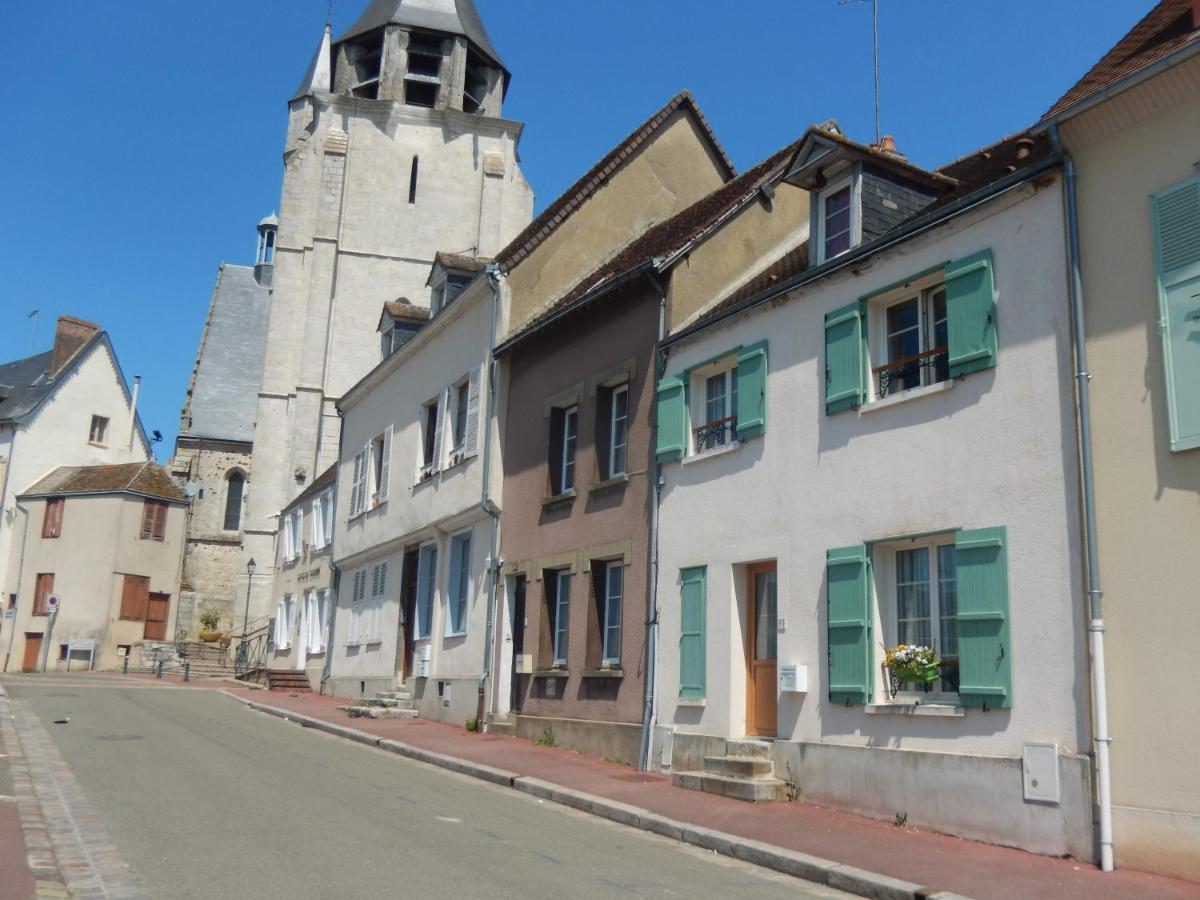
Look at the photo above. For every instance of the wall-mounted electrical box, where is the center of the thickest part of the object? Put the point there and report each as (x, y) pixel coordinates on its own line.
(1039, 765)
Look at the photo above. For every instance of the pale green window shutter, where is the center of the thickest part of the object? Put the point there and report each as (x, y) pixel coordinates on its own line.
(692, 616)
(1176, 223)
(971, 313)
(752, 391)
(984, 649)
(672, 419)
(848, 590)
(845, 357)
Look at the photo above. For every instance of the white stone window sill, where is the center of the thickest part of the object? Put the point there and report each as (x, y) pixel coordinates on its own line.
(904, 396)
(353, 643)
(693, 702)
(455, 634)
(934, 710)
(719, 450)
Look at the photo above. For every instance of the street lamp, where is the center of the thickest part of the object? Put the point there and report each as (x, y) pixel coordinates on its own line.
(240, 665)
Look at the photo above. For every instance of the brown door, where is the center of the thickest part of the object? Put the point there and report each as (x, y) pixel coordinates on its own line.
(156, 617)
(33, 652)
(408, 604)
(762, 668)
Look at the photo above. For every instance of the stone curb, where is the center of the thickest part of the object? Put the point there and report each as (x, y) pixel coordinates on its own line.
(789, 862)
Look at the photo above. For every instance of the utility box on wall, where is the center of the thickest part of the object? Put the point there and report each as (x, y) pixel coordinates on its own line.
(1039, 764)
(421, 663)
(793, 679)
(523, 664)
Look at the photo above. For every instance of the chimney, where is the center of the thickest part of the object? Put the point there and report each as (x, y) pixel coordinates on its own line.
(69, 336)
(887, 143)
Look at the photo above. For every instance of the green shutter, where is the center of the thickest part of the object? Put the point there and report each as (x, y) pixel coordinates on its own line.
(692, 601)
(752, 391)
(984, 649)
(971, 313)
(845, 357)
(672, 419)
(848, 588)
(1176, 223)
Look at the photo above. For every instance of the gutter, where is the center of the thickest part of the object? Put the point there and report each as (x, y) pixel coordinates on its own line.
(1100, 735)
(484, 707)
(915, 227)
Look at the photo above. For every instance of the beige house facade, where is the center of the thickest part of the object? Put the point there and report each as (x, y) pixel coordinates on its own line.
(98, 568)
(1132, 127)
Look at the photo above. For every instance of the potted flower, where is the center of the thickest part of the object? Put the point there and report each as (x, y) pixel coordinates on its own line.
(210, 622)
(910, 663)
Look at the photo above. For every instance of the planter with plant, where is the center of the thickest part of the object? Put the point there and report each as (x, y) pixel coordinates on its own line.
(909, 664)
(210, 626)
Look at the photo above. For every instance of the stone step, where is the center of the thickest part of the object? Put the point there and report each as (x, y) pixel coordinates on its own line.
(393, 703)
(739, 766)
(748, 747)
(379, 712)
(394, 695)
(753, 790)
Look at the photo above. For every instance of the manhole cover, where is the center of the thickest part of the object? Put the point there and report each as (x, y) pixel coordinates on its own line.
(118, 737)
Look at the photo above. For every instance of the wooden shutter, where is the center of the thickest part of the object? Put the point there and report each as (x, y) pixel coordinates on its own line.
(147, 519)
(752, 391)
(385, 464)
(692, 629)
(43, 589)
(672, 419)
(160, 521)
(971, 313)
(558, 417)
(848, 594)
(845, 357)
(984, 649)
(474, 387)
(604, 421)
(135, 597)
(1176, 224)
(52, 519)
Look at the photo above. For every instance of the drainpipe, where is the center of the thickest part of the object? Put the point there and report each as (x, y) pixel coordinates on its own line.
(649, 713)
(485, 706)
(335, 572)
(1100, 735)
(20, 573)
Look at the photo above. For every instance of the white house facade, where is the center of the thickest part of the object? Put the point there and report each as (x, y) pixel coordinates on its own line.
(416, 528)
(884, 455)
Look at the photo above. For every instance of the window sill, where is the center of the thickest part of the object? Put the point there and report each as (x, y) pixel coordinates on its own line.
(563, 498)
(551, 673)
(374, 642)
(614, 482)
(933, 710)
(719, 450)
(615, 672)
(455, 634)
(353, 643)
(910, 394)
(457, 458)
(692, 702)
(97, 444)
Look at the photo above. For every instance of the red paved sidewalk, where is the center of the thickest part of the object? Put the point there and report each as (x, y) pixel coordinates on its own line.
(946, 863)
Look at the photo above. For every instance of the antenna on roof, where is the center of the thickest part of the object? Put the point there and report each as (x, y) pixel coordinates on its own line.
(33, 330)
(875, 36)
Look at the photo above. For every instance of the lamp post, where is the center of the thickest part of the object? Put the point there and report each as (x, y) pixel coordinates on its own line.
(242, 648)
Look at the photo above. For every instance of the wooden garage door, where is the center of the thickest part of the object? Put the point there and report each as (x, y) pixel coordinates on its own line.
(156, 617)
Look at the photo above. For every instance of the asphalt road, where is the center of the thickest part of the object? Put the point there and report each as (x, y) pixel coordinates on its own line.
(206, 798)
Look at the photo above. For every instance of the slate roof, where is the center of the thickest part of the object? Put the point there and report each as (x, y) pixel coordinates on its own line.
(450, 16)
(142, 478)
(222, 401)
(594, 178)
(22, 385)
(1168, 27)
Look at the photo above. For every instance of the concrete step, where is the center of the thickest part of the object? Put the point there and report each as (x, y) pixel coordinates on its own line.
(748, 747)
(740, 766)
(753, 790)
(393, 703)
(379, 712)
(394, 695)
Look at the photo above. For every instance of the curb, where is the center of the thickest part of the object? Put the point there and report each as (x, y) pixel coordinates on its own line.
(814, 869)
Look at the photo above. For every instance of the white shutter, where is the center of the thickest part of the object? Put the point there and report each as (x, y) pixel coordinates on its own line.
(384, 464)
(356, 483)
(327, 516)
(322, 618)
(471, 440)
(318, 530)
(437, 431)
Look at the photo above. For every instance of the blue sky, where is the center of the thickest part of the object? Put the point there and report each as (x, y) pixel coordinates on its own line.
(143, 138)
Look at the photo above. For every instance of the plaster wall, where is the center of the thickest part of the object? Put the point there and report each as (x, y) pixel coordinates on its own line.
(1148, 513)
(309, 574)
(997, 448)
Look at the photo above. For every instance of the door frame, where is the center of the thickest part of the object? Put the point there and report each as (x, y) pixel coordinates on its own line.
(754, 728)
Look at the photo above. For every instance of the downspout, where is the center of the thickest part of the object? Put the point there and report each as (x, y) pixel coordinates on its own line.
(336, 580)
(1100, 735)
(20, 573)
(649, 712)
(485, 705)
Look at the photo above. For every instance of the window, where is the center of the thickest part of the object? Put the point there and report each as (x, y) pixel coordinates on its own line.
(98, 434)
(380, 451)
(317, 619)
(915, 342)
(358, 484)
(923, 606)
(43, 588)
(426, 581)
(612, 578)
(718, 413)
(422, 79)
(235, 487)
(836, 220)
(322, 520)
(558, 605)
(154, 520)
(283, 623)
(564, 426)
(618, 432)
(461, 393)
(52, 519)
(293, 535)
(431, 438)
(135, 597)
(459, 593)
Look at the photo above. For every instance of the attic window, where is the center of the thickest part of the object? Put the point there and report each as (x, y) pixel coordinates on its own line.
(476, 86)
(366, 58)
(423, 76)
(835, 212)
(445, 293)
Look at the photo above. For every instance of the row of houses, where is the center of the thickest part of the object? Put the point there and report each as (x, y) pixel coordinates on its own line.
(685, 464)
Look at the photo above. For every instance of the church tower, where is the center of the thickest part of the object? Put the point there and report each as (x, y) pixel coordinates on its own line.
(397, 149)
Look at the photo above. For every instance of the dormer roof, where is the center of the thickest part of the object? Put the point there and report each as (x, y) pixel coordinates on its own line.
(824, 146)
(449, 16)
(455, 262)
(404, 310)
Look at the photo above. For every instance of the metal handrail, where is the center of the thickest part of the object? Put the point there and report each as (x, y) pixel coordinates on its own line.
(252, 653)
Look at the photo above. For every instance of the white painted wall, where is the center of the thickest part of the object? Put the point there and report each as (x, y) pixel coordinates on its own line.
(996, 449)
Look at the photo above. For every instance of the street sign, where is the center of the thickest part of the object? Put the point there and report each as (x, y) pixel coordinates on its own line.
(52, 602)
(10, 614)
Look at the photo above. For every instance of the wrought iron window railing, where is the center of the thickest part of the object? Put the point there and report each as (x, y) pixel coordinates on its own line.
(714, 434)
(929, 367)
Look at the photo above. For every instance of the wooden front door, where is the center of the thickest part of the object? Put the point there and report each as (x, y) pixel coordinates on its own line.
(518, 640)
(408, 606)
(156, 617)
(762, 667)
(33, 652)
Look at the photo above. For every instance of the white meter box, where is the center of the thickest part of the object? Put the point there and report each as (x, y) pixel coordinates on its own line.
(793, 679)
(1039, 764)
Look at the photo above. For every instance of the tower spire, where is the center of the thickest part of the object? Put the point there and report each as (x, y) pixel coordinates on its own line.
(319, 77)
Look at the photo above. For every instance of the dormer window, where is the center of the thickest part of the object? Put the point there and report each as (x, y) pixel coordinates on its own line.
(445, 293)
(837, 219)
(422, 78)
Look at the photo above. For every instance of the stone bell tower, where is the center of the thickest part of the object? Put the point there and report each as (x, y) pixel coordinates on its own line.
(396, 149)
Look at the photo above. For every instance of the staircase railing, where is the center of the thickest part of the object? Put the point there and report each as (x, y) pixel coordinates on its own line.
(252, 651)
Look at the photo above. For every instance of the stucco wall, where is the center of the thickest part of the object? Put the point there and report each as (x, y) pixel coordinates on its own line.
(1146, 496)
(299, 577)
(995, 449)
